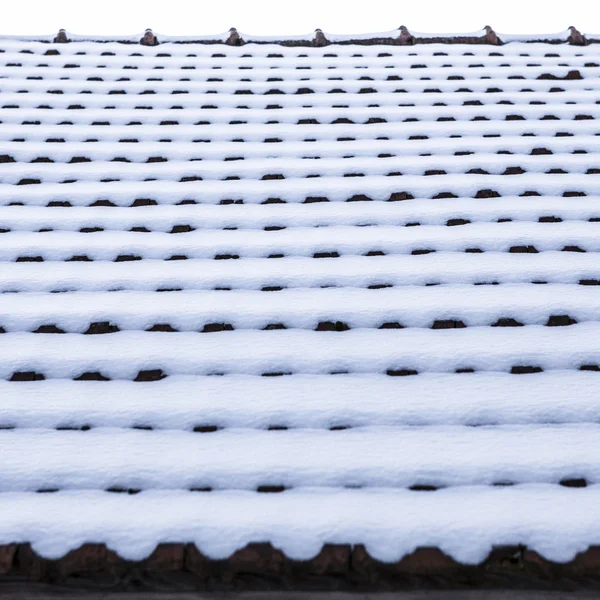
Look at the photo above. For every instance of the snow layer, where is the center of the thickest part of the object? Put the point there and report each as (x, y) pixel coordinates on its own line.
(259, 78)
(410, 306)
(319, 72)
(315, 401)
(345, 271)
(311, 59)
(163, 218)
(235, 458)
(258, 132)
(210, 102)
(320, 81)
(123, 354)
(465, 522)
(376, 187)
(301, 241)
(128, 169)
(28, 151)
(290, 168)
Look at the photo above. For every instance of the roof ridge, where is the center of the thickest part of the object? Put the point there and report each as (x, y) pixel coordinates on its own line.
(400, 37)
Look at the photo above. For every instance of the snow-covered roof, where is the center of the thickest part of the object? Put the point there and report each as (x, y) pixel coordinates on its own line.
(330, 294)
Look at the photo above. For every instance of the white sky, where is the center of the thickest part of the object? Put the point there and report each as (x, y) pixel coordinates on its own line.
(269, 17)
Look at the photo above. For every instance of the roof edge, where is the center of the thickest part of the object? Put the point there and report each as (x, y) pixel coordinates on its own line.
(397, 37)
(260, 566)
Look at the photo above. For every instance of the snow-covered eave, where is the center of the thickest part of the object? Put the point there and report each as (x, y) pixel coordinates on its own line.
(400, 36)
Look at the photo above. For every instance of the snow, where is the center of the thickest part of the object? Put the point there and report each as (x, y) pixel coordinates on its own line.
(102, 151)
(290, 87)
(465, 522)
(258, 132)
(385, 99)
(297, 168)
(345, 271)
(336, 59)
(336, 189)
(411, 306)
(314, 401)
(162, 218)
(301, 241)
(123, 354)
(497, 149)
(236, 458)
(289, 73)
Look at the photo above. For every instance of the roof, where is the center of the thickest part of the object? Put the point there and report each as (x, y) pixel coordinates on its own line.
(341, 295)
(398, 37)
